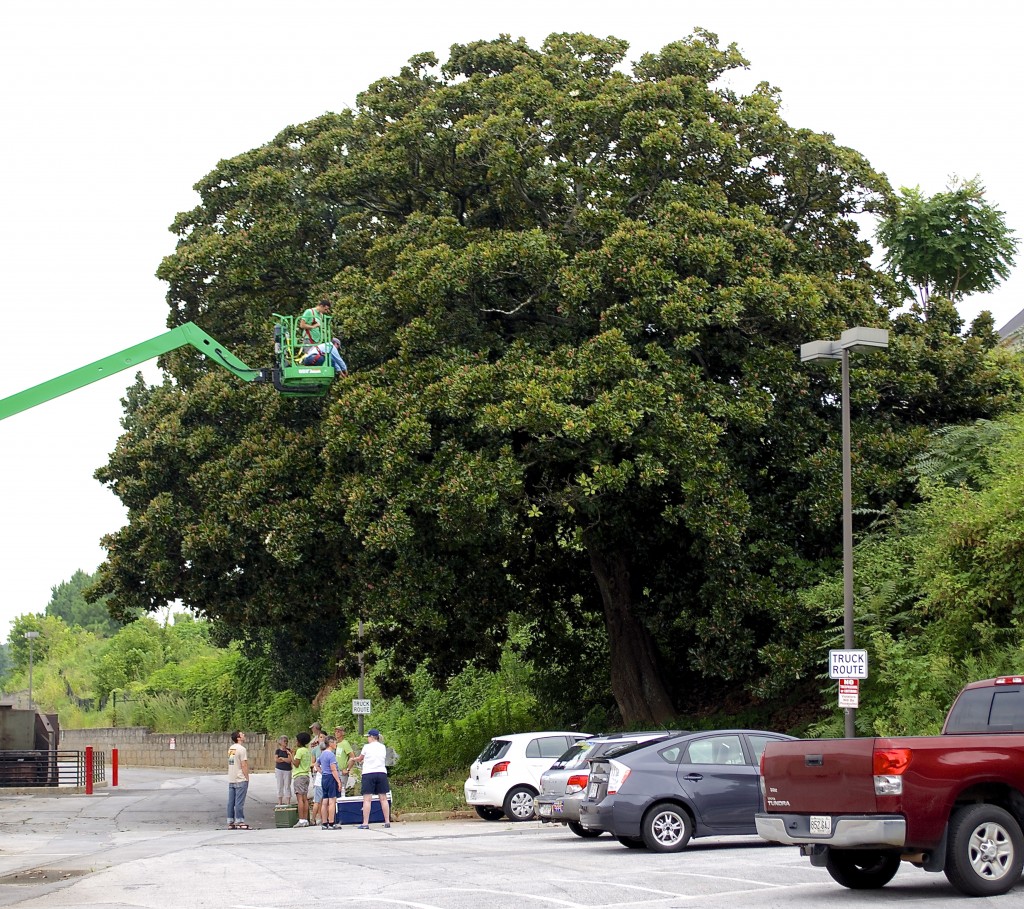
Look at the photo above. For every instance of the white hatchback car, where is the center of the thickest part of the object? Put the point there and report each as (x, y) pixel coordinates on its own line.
(506, 776)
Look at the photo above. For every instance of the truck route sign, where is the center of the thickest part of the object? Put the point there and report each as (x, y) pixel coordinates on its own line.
(847, 664)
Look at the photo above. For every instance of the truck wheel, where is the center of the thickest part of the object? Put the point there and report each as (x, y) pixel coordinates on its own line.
(985, 852)
(518, 803)
(577, 828)
(862, 869)
(489, 813)
(666, 828)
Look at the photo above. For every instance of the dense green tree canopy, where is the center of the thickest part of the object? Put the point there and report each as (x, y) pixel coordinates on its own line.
(571, 296)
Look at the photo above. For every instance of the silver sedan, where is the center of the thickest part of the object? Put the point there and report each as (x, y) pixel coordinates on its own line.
(564, 785)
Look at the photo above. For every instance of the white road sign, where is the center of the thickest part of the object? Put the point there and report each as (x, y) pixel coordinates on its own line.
(360, 706)
(847, 664)
(849, 693)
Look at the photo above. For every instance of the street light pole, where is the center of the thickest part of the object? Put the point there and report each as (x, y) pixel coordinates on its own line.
(847, 525)
(30, 636)
(853, 339)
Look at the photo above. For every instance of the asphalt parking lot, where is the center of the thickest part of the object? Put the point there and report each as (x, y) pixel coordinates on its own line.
(158, 840)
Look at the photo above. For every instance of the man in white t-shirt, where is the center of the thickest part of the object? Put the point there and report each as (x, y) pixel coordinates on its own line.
(375, 777)
(238, 782)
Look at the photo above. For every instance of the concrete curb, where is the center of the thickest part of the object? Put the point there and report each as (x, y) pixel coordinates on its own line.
(434, 815)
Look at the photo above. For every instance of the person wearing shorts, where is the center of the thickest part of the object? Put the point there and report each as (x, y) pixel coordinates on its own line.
(301, 762)
(345, 754)
(331, 784)
(375, 778)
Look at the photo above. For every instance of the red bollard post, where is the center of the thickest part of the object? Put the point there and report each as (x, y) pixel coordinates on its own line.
(113, 766)
(88, 769)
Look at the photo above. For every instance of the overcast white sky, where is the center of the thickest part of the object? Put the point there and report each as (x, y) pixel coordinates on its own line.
(112, 109)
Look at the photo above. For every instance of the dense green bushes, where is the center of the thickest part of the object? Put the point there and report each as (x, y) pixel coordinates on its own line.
(939, 588)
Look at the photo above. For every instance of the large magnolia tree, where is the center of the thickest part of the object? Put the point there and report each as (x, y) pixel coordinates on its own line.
(571, 295)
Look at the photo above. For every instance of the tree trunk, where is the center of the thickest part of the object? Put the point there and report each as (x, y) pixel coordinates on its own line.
(636, 682)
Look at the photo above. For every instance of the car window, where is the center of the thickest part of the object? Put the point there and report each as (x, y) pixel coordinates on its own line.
(575, 756)
(1007, 710)
(550, 746)
(672, 754)
(987, 710)
(971, 711)
(716, 749)
(610, 749)
(757, 744)
(494, 749)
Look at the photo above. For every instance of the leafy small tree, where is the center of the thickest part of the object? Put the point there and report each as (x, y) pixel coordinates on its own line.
(953, 244)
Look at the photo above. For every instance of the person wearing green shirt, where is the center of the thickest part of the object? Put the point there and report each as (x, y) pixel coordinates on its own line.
(311, 327)
(301, 762)
(345, 755)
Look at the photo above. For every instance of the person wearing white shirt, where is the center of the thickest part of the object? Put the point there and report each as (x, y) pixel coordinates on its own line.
(375, 777)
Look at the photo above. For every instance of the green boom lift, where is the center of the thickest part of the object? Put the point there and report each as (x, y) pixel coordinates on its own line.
(288, 374)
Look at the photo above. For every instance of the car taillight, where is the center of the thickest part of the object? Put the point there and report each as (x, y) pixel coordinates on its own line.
(617, 775)
(500, 769)
(1010, 680)
(888, 765)
(577, 782)
(891, 760)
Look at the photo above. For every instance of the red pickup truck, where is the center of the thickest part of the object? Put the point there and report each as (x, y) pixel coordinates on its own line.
(952, 802)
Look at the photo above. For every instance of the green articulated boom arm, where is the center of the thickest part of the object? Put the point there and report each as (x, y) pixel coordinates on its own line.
(304, 382)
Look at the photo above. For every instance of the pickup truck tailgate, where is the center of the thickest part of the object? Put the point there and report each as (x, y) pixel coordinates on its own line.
(827, 776)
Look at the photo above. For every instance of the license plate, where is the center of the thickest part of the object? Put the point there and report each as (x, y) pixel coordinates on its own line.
(545, 811)
(556, 808)
(592, 790)
(821, 824)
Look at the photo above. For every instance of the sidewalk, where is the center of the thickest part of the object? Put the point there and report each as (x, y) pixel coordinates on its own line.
(159, 839)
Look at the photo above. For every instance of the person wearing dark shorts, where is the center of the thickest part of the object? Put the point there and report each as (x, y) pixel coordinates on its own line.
(375, 778)
(331, 784)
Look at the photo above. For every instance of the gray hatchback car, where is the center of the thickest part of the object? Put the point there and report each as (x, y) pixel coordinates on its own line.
(564, 785)
(662, 793)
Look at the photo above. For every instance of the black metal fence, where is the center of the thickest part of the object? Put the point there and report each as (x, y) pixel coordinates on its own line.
(50, 768)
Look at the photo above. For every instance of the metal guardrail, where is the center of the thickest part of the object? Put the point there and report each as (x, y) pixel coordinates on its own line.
(49, 768)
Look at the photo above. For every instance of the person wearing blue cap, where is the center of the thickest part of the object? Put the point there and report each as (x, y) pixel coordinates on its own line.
(373, 757)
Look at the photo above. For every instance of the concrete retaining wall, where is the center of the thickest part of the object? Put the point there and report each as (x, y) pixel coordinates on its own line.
(138, 747)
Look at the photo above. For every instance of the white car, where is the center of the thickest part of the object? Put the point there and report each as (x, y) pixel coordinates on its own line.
(506, 776)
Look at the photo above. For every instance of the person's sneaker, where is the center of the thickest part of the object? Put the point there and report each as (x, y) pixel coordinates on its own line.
(363, 827)
(302, 823)
(387, 825)
(325, 826)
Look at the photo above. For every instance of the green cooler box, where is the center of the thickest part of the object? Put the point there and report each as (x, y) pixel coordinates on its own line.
(286, 815)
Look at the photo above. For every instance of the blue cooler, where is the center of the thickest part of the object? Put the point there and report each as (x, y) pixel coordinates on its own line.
(350, 810)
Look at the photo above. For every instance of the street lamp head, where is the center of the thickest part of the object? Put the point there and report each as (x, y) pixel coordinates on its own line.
(853, 340)
(31, 635)
(819, 350)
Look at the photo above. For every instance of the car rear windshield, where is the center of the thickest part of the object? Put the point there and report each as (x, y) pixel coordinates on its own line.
(494, 749)
(987, 710)
(575, 756)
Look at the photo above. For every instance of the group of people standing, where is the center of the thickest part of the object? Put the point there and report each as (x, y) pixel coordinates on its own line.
(318, 771)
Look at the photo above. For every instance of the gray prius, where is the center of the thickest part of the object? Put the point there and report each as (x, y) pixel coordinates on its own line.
(662, 793)
(564, 785)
